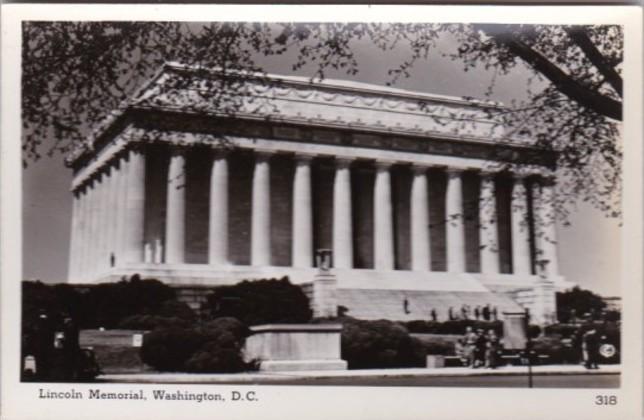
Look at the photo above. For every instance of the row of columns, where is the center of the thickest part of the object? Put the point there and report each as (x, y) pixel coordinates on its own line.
(108, 218)
(101, 206)
(342, 233)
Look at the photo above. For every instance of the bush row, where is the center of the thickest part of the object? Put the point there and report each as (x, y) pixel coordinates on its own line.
(103, 305)
(215, 346)
(379, 344)
(261, 302)
(452, 327)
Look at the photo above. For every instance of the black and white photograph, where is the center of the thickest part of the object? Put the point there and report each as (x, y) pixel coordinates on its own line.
(218, 207)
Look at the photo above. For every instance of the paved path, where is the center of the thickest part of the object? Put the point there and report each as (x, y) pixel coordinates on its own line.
(277, 377)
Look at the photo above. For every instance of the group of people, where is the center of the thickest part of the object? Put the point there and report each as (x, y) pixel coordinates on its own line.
(479, 349)
(483, 313)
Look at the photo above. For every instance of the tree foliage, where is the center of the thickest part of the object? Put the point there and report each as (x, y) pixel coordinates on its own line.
(579, 302)
(77, 73)
(102, 305)
(261, 302)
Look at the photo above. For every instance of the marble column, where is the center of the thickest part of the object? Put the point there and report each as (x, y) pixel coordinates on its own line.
(76, 273)
(383, 238)
(302, 229)
(89, 230)
(112, 217)
(261, 211)
(100, 230)
(135, 208)
(88, 208)
(218, 226)
(521, 258)
(342, 222)
(175, 223)
(488, 226)
(455, 225)
(72, 271)
(121, 210)
(420, 241)
(546, 237)
(104, 259)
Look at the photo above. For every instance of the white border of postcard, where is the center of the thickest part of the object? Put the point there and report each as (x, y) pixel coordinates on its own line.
(19, 400)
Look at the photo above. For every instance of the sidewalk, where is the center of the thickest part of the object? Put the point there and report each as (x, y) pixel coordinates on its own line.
(272, 377)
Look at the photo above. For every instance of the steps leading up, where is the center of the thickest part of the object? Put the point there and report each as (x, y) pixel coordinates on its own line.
(389, 304)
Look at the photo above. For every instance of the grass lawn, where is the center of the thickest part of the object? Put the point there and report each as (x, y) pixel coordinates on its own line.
(114, 350)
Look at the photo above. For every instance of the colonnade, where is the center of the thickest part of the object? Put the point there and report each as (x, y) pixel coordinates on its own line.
(109, 212)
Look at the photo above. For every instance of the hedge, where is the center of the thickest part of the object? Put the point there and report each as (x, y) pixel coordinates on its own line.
(379, 344)
(261, 302)
(456, 327)
(215, 346)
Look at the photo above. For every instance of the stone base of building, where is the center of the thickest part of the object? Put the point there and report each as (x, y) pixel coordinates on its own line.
(370, 294)
(300, 365)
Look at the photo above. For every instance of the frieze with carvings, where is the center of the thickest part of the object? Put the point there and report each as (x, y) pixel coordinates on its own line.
(357, 117)
(350, 138)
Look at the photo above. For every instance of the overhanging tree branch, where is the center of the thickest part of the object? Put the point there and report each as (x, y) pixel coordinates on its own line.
(580, 37)
(599, 103)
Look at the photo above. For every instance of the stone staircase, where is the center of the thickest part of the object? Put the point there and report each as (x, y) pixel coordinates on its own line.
(371, 304)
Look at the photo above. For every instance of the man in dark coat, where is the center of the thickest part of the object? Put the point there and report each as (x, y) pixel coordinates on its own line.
(71, 347)
(43, 346)
(480, 346)
(590, 347)
(486, 312)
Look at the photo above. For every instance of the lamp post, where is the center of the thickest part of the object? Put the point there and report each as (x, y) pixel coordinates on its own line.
(528, 346)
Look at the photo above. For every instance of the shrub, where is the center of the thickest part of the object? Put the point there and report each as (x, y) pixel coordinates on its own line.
(112, 302)
(576, 302)
(379, 344)
(261, 302)
(437, 346)
(557, 350)
(225, 325)
(150, 322)
(534, 331)
(170, 313)
(221, 353)
(174, 309)
(456, 327)
(563, 330)
(212, 347)
(168, 349)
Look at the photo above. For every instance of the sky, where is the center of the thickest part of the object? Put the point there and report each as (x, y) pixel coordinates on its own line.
(589, 251)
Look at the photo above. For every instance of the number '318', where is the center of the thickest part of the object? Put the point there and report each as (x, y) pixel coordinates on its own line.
(606, 400)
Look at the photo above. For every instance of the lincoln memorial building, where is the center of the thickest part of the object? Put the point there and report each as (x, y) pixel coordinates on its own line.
(426, 202)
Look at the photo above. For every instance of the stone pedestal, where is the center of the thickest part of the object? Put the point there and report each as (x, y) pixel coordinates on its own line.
(435, 361)
(514, 331)
(324, 301)
(544, 307)
(289, 347)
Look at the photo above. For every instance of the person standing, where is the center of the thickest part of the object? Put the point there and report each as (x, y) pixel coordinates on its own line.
(470, 344)
(43, 347)
(450, 313)
(492, 350)
(590, 349)
(71, 348)
(486, 312)
(480, 345)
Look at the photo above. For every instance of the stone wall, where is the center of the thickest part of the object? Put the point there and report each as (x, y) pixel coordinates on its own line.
(283, 347)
